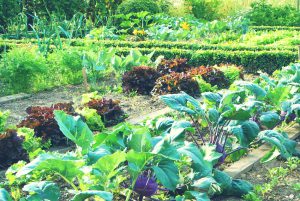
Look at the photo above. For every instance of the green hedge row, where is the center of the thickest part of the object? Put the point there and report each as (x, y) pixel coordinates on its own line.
(274, 28)
(165, 44)
(179, 45)
(266, 61)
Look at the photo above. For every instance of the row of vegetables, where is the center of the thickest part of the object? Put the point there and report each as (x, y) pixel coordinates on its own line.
(166, 158)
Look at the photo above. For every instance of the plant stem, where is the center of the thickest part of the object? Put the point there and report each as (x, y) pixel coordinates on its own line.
(198, 130)
(68, 181)
(141, 198)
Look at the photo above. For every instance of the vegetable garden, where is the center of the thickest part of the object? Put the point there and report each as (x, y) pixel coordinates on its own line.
(145, 103)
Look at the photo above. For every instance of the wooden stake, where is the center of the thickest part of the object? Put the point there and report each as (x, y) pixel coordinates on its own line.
(85, 79)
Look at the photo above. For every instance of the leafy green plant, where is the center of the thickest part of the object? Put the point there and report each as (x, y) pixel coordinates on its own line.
(141, 79)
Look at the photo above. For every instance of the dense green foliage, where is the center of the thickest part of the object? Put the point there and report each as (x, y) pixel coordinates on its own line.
(263, 13)
(134, 6)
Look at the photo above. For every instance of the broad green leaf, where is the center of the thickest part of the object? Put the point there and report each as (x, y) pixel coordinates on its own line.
(231, 98)
(178, 130)
(272, 154)
(165, 149)
(223, 179)
(245, 132)
(109, 163)
(239, 188)
(204, 184)
(65, 166)
(237, 112)
(286, 146)
(163, 125)
(167, 173)
(75, 129)
(255, 89)
(269, 119)
(140, 140)
(82, 196)
(183, 103)
(4, 195)
(137, 162)
(43, 190)
(210, 154)
(195, 195)
(99, 152)
(211, 97)
(213, 115)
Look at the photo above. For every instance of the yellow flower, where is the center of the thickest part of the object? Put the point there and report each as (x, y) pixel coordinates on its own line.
(142, 32)
(135, 32)
(185, 26)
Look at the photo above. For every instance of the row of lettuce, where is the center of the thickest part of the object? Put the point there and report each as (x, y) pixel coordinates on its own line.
(166, 158)
(46, 66)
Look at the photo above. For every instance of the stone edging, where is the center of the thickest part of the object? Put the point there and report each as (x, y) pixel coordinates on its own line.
(16, 97)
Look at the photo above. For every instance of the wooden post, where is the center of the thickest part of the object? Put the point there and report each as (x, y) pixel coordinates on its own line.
(85, 79)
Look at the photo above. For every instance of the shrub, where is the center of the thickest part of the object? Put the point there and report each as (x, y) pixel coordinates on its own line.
(205, 9)
(11, 149)
(41, 119)
(174, 83)
(263, 13)
(109, 110)
(173, 65)
(20, 68)
(211, 75)
(141, 79)
(135, 6)
(8, 10)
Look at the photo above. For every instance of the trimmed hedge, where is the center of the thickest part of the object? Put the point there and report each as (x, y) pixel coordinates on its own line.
(266, 61)
(274, 28)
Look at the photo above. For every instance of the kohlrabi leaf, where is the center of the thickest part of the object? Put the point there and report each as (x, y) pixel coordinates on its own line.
(99, 152)
(166, 150)
(213, 115)
(269, 119)
(43, 190)
(223, 179)
(272, 154)
(75, 129)
(239, 188)
(140, 140)
(167, 174)
(286, 146)
(183, 103)
(4, 195)
(210, 154)
(81, 196)
(255, 89)
(213, 98)
(245, 132)
(178, 130)
(195, 195)
(163, 125)
(66, 166)
(108, 164)
(204, 184)
(137, 162)
(231, 98)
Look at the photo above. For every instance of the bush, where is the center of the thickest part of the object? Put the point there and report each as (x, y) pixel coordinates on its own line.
(135, 6)
(175, 83)
(205, 9)
(263, 13)
(41, 119)
(141, 79)
(109, 110)
(211, 75)
(8, 10)
(11, 149)
(173, 65)
(20, 68)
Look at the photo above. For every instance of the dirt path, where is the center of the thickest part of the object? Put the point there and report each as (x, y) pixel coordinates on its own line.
(134, 106)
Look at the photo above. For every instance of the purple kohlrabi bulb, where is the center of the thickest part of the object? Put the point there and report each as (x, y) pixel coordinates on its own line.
(145, 186)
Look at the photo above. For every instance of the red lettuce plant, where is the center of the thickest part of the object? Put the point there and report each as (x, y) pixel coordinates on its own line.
(176, 82)
(41, 119)
(211, 75)
(11, 149)
(174, 65)
(141, 79)
(109, 110)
